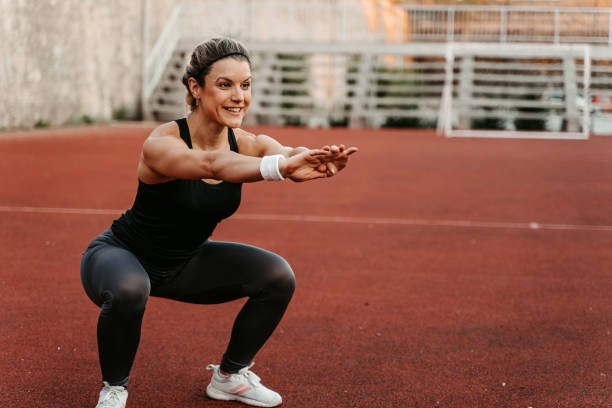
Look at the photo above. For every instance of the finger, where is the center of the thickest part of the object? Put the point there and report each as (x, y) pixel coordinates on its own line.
(319, 152)
(331, 169)
(334, 149)
(322, 168)
(351, 150)
(318, 174)
(324, 158)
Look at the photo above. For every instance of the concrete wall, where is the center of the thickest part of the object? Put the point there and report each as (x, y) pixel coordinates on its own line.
(63, 59)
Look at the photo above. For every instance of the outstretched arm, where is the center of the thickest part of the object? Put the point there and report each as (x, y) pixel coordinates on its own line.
(165, 157)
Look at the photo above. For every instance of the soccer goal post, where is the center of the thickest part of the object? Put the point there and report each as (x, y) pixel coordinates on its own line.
(516, 91)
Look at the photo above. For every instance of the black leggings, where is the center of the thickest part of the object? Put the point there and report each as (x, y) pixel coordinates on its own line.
(115, 280)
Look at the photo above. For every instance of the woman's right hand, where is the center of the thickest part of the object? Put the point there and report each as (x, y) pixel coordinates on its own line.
(306, 165)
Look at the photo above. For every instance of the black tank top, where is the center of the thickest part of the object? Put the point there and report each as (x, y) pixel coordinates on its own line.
(169, 221)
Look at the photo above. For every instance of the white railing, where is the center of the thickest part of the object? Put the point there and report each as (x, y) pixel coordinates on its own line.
(369, 83)
(511, 87)
(352, 84)
(457, 86)
(161, 53)
(509, 24)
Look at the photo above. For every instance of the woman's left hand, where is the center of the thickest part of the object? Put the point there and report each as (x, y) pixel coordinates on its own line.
(337, 160)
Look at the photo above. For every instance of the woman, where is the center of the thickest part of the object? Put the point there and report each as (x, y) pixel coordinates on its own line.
(189, 178)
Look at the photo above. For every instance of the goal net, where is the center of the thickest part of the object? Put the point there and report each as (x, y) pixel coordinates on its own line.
(516, 91)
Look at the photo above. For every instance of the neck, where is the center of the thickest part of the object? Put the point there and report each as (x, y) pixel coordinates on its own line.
(205, 133)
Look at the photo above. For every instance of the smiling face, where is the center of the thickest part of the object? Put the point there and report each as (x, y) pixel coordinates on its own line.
(226, 94)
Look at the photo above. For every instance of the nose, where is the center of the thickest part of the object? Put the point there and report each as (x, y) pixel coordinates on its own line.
(238, 94)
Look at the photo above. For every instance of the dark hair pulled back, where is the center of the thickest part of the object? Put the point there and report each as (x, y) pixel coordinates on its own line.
(205, 55)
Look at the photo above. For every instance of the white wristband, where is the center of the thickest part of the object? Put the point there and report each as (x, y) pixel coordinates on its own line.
(269, 167)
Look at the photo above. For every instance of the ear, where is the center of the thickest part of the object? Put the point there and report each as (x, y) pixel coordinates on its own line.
(194, 87)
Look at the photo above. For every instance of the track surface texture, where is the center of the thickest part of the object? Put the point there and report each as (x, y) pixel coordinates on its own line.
(432, 272)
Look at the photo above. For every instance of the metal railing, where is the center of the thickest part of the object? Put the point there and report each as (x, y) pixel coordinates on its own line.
(161, 53)
(509, 24)
(373, 84)
(517, 86)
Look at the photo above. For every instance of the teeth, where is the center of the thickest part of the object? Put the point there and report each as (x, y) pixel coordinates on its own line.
(234, 109)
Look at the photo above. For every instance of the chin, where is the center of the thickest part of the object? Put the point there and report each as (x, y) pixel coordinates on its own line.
(234, 123)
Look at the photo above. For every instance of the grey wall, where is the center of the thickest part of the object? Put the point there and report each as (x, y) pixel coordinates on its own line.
(63, 59)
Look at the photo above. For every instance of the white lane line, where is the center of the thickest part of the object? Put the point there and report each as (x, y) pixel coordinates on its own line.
(338, 219)
(421, 222)
(59, 210)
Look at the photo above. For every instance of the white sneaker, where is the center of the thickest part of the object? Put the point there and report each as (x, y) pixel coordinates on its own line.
(244, 386)
(112, 396)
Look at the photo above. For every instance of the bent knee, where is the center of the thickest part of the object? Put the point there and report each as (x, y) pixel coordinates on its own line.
(128, 298)
(281, 277)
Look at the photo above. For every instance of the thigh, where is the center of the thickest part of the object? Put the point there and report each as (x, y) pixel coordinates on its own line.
(108, 270)
(224, 271)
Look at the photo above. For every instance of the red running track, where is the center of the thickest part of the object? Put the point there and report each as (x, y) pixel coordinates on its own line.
(432, 272)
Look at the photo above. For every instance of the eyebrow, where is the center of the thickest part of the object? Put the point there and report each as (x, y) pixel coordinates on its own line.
(229, 80)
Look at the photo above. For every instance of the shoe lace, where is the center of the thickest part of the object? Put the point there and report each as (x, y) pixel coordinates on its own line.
(111, 397)
(250, 376)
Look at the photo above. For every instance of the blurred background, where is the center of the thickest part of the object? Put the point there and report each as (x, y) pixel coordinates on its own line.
(473, 272)
(458, 66)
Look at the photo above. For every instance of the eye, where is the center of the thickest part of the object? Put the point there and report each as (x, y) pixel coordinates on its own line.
(224, 85)
(245, 85)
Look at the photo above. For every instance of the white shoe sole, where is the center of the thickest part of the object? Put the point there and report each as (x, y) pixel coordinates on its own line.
(224, 396)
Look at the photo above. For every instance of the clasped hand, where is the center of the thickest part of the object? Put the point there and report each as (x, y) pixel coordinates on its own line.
(317, 163)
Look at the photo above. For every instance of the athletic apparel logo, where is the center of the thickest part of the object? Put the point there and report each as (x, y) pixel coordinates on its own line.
(240, 389)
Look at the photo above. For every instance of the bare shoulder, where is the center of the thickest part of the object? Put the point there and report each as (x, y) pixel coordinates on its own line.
(165, 129)
(162, 136)
(162, 140)
(253, 144)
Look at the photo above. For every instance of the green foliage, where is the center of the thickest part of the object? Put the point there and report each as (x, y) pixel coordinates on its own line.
(41, 124)
(86, 119)
(121, 113)
(81, 120)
